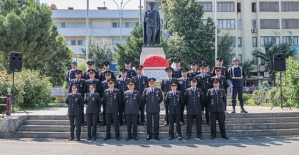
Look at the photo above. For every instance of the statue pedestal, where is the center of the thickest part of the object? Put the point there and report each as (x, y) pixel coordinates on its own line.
(151, 51)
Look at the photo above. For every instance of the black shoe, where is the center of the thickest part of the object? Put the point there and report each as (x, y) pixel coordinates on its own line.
(83, 124)
(234, 110)
(187, 138)
(213, 137)
(170, 138)
(224, 137)
(166, 123)
(106, 138)
(208, 124)
(128, 138)
(181, 122)
(117, 138)
(99, 124)
(94, 138)
(157, 137)
(88, 138)
(78, 139)
(200, 137)
(180, 138)
(71, 139)
(142, 123)
(244, 112)
(136, 138)
(104, 124)
(148, 137)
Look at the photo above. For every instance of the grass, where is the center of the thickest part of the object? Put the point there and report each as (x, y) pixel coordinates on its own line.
(36, 107)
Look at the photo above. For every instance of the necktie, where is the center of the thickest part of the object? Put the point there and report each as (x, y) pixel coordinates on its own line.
(138, 77)
(173, 93)
(91, 94)
(193, 89)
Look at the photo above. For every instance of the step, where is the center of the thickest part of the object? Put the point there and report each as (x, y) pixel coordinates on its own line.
(163, 135)
(251, 126)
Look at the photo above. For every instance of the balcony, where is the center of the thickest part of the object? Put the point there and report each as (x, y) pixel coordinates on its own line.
(77, 32)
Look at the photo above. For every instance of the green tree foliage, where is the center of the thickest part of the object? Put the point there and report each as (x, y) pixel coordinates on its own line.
(225, 49)
(99, 52)
(270, 50)
(248, 67)
(26, 26)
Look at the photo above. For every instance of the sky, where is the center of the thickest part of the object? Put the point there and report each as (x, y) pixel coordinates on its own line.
(93, 4)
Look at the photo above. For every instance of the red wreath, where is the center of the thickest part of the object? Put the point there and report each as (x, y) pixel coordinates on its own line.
(155, 61)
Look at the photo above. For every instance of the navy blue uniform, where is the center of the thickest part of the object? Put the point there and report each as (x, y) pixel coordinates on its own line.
(104, 86)
(184, 83)
(237, 76)
(177, 73)
(192, 74)
(203, 82)
(122, 86)
(93, 102)
(81, 89)
(86, 75)
(224, 72)
(165, 86)
(71, 74)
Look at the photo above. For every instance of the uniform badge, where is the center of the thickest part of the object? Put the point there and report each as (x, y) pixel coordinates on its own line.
(181, 82)
(76, 99)
(198, 94)
(81, 85)
(93, 99)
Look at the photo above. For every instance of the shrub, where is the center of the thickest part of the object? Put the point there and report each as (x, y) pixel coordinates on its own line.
(258, 97)
(245, 98)
(270, 95)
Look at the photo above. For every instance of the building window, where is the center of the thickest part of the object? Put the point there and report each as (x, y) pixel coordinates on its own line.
(225, 6)
(253, 23)
(253, 7)
(73, 42)
(238, 7)
(269, 6)
(239, 24)
(204, 21)
(254, 42)
(293, 40)
(114, 25)
(239, 41)
(226, 24)
(81, 42)
(71, 25)
(234, 41)
(117, 25)
(290, 23)
(81, 25)
(289, 6)
(269, 24)
(62, 25)
(269, 39)
(240, 57)
(207, 6)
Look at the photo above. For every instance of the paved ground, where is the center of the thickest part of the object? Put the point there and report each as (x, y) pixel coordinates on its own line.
(257, 146)
(63, 110)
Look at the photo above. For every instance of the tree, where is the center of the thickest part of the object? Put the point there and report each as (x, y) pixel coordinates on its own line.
(26, 26)
(248, 67)
(225, 49)
(99, 52)
(270, 50)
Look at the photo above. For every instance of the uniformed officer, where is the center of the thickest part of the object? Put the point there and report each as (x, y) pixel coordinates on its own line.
(92, 80)
(122, 86)
(75, 103)
(140, 82)
(193, 72)
(203, 82)
(130, 72)
(112, 99)
(132, 99)
(174, 100)
(152, 97)
(101, 71)
(107, 68)
(104, 86)
(184, 83)
(237, 75)
(93, 102)
(223, 82)
(71, 74)
(224, 70)
(193, 98)
(216, 98)
(165, 86)
(177, 69)
(90, 66)
(80, 83)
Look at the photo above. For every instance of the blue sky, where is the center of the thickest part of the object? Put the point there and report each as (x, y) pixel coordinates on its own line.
(93, 4)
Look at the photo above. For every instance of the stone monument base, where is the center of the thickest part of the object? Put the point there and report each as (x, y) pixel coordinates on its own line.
(151, 51)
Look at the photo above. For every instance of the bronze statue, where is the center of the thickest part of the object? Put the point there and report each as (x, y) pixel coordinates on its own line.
(151, 26)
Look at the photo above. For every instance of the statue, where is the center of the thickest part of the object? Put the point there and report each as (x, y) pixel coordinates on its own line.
(151, 26)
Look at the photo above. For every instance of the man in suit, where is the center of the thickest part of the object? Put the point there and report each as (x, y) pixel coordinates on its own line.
(71, 74)
(122, 86)
(140, 83)
(132, 100)
(112, 99)
(93, 102)
(216, 98)
(193, 72)
(224, 70)
(193, 97)
(223, 82)
(237, 76)
(130, 72)
(184, 83)
(75, 103)
(203, 82)
(107, 68)
(90, 66)
(165, 86)
(174, 100)
(80, 83)
(177, 69)
(152, 97)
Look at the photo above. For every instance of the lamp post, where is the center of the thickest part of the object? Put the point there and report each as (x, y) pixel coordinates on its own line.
(87, 32)
(216, 30)
(120, 11)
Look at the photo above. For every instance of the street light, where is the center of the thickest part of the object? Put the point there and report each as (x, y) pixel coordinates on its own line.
(87, 32)
(120, 11)
(216, 30)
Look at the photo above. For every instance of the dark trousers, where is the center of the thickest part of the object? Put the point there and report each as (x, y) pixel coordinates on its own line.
(197, 123)
(205, 106)
(174, 119)
(109, 118)
(131, 120)
(220, 116)
(104, 113)
(239, 91)
(78, 119)
(166, 114)
(149, 118)
(225, 103)
(121, 110)
(141, 114)
(92, 120)
(82, 116)
(182, 113)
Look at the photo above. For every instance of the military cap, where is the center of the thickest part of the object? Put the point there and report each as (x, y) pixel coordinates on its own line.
(173, 83)
(78, 72)
(89, 63)
(91, 71)
(215, 80)
(193, 80)
(217, 68)
(139, 67)
(74, 85)
(151, 3)
(111, 81)
(205, 64)
(128, 61)
(74, 63)
(193, 63)
(184, 70)
(151, 80)
(107, 72)
(106, 63)
(177, 60)
(236, 59)
(168, 69)
(92, 85)
(100, 66)
(130, 82)
(219, 59)
(123, 70)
